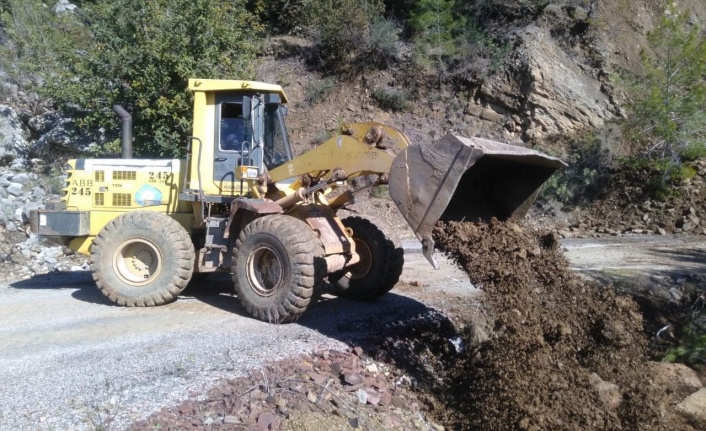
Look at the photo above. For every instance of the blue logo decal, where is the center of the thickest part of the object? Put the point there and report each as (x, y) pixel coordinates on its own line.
(148, 195)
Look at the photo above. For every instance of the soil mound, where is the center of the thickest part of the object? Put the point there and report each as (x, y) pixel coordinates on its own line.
(566, 353)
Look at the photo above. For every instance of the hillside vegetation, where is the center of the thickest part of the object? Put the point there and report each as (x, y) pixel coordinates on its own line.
(594, 81)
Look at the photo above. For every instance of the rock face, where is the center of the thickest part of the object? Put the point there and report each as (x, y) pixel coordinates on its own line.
(20, 193)
(13, 139)
(548, 94)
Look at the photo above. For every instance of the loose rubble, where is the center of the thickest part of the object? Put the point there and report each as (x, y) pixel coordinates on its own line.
(325, 390)
(628, 207)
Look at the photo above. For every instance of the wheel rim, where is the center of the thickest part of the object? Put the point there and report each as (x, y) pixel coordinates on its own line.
(362, 268)
(265, 270)
(137, 261)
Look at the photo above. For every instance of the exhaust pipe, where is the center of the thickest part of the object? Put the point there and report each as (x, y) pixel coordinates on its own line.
(125, 131)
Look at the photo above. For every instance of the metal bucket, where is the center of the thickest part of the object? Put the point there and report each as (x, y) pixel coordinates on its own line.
(457, 179)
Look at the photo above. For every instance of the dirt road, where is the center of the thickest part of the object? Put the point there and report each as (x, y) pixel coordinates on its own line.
(71, 360)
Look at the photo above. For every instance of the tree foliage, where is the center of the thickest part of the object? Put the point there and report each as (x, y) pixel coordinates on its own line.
(136, 53)
(38, 37)
(437, 27)
(448, 33)
(668, 108)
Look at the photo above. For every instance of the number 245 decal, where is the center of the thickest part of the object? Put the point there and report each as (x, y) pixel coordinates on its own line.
(161, 177)
(81, 191)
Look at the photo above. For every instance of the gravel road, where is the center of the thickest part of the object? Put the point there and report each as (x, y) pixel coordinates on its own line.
(70, 359)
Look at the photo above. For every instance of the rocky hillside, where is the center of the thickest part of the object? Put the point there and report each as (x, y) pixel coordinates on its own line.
(558, 81)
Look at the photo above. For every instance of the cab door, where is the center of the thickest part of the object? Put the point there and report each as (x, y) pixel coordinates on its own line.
(233, 142)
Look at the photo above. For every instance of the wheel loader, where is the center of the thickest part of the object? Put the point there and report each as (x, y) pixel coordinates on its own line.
(242, 203)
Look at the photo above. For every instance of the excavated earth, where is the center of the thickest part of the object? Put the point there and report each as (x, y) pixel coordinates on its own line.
(567, 353)
(551, 350)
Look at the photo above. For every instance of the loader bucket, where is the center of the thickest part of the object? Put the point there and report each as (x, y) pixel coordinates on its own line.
(457, 179)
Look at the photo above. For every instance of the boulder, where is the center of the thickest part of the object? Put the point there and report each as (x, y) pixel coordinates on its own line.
(62, 134)
(693, 408)
(64, 6)
(677, 379)
(15, 189)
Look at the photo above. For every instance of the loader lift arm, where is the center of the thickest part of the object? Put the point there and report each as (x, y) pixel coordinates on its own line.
(361, 149)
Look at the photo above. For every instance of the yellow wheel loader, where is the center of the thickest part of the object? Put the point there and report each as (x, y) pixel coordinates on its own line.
(242, 203)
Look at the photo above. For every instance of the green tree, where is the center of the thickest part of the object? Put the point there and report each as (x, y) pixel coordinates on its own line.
(437, 29)
(668, 108)
(140, 54)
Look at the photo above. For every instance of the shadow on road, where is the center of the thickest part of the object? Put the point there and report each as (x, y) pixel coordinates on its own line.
(695, 256)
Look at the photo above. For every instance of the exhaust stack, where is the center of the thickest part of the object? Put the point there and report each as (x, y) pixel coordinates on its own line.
(125, 131)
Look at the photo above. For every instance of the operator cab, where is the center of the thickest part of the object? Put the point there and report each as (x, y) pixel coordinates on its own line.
(246, 136)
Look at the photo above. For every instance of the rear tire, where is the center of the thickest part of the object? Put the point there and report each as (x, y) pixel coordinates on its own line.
(278, 266)
(380, 266)
(142, 259)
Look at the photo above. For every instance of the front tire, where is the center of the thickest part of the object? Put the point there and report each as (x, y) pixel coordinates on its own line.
(142, 259)
(278, 266)
(380, 265)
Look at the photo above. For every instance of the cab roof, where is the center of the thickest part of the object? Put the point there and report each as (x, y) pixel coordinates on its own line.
(213, 85)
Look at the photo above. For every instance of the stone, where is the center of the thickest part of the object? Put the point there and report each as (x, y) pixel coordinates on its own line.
(20, 178)
(373, 396)
(64, 6)
(352, 378)
(231, 420)
(608, 392)
(677, 379)
(372, 368)
(694, 408)
(398, 402)
(15, 189)
(362, 396)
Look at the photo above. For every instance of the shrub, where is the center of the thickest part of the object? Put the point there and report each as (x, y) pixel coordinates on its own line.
(661, 174)
(447, 34)
(350, 36)
(37, 40)
(381, 191)
(690, 347)
(318, 91)
(392, 99)
(585, 177)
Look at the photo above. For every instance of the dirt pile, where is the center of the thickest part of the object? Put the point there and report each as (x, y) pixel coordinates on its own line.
(566, 353)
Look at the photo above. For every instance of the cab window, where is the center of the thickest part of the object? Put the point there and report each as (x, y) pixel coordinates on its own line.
(233, 130)
(276, 150)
